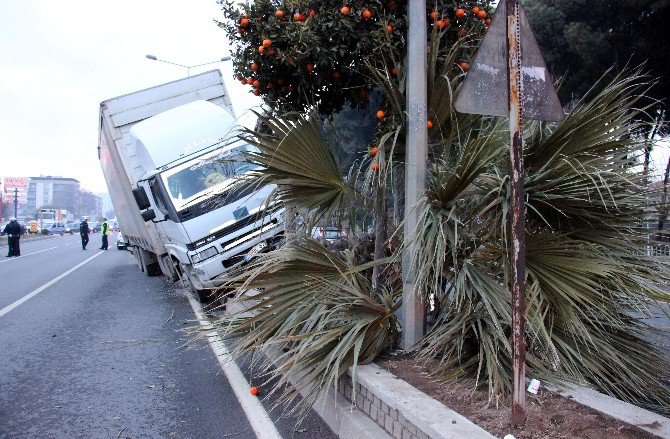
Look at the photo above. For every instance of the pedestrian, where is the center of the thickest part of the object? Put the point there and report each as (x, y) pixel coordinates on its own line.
(104, 230)
(13, 232)
(84, 231)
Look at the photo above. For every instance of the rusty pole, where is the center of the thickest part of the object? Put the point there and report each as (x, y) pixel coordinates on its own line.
(518, 208)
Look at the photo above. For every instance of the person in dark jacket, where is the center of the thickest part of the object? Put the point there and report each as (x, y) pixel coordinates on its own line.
(13, 232)
(84, 231)
(104, 231)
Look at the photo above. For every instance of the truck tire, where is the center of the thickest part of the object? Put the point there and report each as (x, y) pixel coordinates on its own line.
(138, 259)
(167, 267)
(149, 262)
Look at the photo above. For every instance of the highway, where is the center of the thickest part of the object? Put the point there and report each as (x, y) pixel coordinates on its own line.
(93, 348)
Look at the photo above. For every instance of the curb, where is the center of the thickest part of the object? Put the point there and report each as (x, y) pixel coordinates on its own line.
(4, 244)
(646, 420)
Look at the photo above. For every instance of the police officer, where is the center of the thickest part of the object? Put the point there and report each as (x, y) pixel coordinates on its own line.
(84, 231)
(13, 232)
(104, 231)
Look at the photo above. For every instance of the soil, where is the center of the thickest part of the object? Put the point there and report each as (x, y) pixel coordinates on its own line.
(549, 415)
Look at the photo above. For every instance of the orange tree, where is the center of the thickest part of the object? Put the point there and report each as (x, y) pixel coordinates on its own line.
(301, 53)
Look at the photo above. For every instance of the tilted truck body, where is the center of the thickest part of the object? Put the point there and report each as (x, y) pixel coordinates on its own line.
(176, 187)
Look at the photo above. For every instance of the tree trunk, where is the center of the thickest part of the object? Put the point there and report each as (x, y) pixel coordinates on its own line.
(380, 224)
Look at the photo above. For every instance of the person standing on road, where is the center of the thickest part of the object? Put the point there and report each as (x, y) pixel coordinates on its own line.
(84, 231)
(104, 231)
(13, 232)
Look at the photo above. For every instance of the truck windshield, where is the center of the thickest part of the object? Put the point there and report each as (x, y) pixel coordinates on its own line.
(205, 176)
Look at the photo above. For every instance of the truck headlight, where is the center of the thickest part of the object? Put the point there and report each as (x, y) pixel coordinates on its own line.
(204, 254)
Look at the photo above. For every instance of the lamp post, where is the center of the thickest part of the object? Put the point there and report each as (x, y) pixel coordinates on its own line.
(188, 68)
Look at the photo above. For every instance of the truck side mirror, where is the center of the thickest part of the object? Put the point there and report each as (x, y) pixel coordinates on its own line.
(141, 198)
(148, 214)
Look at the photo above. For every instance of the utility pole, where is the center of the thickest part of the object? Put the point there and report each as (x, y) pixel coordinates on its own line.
(413, 313)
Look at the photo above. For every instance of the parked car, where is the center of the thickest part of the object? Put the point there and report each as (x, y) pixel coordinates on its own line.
(57, 228)
(94, 226)
(121, 243)
(331, 233)
(71, 228)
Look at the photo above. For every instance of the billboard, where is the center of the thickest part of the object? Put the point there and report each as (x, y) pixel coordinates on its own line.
(12, 187)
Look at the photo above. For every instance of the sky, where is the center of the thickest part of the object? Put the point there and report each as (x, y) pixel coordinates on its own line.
(60, 59)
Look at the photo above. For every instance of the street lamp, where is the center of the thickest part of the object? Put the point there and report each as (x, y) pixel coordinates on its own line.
(188, 68)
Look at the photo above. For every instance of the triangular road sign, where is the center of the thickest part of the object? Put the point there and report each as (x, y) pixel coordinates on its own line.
(486, 86)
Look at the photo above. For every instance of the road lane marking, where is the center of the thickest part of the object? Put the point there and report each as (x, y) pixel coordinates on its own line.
(258, 418)
(34, 293)
(23, 256)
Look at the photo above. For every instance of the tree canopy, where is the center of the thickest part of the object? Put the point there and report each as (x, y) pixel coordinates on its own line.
(581, 39)
(297, 53)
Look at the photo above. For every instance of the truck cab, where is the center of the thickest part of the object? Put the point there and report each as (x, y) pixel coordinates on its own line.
(193, 196)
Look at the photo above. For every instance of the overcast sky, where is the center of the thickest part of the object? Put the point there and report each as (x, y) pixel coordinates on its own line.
(60, 59)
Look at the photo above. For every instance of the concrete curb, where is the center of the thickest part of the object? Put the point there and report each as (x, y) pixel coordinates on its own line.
(3, 242)
(624, 411)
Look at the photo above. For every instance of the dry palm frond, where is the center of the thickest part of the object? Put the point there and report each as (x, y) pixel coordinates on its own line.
(313, 315)
(588, 290)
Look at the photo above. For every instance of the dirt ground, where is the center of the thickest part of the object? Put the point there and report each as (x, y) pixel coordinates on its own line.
(549, 415)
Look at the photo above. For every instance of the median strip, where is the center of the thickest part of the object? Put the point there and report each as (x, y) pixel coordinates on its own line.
(34, 293)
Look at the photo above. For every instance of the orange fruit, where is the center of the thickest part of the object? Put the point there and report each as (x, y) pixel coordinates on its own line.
(345, 10)
(267, 43)
(381, 114)
(310, 67)
(254, 67)
(439, 24)
(257, 83)
(389, 28)
(488, 21)
(280, 81)
(261, 49)
(336, 74)
(298, 17)
(240, 30)
(373, 151)
(312, 13)
(429, 124)
(394, 71)
(279, 13)
(464, 65)
(250, 81)
(254, 390)
(433, 15)
(376, 166)
(446, 22)
(257, 92)
(366, 15)
(460, 13)
(475, 10)
(271, 85)
(481, 15)
(244, 22)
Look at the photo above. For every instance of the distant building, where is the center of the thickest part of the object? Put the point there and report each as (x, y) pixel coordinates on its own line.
(88, 204)
(58, 192)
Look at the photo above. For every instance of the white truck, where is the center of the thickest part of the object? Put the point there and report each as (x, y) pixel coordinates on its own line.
(177, 186)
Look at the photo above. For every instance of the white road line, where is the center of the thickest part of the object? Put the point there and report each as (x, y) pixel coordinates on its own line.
(258, 418)
(69, 243)
(23, 256)
(29, 296)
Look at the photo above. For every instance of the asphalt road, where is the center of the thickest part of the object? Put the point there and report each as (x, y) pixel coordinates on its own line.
(92, 348)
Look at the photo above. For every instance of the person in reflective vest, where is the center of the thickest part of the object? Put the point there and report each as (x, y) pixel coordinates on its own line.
(104, 231)
(13, 232)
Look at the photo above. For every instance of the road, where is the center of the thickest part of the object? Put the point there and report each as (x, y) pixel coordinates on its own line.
(92, 348)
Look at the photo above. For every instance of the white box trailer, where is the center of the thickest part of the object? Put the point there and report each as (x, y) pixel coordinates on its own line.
(175, 185)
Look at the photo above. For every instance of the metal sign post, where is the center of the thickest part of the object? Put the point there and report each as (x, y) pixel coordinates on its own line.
(509, 77)
(518, 209)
